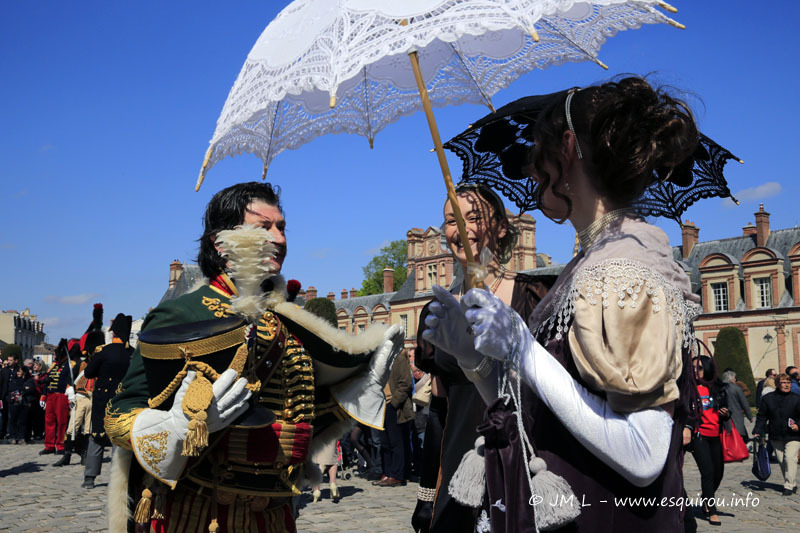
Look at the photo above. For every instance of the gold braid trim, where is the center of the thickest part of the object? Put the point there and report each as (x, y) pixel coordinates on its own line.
(198, 366)
(197, 348)
(119, 425)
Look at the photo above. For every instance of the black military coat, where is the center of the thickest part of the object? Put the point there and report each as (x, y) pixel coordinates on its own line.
(107, 367)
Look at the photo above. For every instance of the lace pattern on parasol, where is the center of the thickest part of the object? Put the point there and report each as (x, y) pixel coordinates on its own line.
(351, 56)
(494, 152)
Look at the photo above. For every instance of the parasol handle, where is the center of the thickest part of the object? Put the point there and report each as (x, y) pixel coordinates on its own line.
(469, 278)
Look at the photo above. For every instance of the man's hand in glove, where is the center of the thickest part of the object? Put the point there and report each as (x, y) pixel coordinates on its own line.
(362, 396)
(229, 402)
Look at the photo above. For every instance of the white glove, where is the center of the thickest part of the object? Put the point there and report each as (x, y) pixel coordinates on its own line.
(635, 445)
(448, 329)
(42, 402)
(70, 392)
(362, 395)
(157, 436)
(498, 329)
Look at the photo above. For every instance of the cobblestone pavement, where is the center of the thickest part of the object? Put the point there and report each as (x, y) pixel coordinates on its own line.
(36, 497)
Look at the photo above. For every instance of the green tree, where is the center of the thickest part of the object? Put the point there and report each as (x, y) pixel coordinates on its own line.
(323, 308)
(394, 255)
(730, 351)
(12, 349)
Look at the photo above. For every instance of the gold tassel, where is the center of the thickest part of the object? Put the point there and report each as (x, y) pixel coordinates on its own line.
(213, 527)
(160, 503)
(197, 438)
(195, 403)
(142, 514)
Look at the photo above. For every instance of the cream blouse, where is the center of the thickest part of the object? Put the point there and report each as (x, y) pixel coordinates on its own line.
(626, 309)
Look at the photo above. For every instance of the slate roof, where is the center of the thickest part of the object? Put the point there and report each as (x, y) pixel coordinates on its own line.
(368, 302)
(190, 275)
(780, 241)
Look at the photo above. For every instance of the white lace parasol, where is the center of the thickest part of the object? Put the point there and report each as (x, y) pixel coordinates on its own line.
(354, 54)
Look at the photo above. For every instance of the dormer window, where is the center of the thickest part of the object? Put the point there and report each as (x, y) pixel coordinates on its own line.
(433, 272)
(720, 291)
(763, 292)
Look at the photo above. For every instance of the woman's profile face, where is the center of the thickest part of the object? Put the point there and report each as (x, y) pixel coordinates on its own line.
(551, 205)
(698, 369)
(483, 230)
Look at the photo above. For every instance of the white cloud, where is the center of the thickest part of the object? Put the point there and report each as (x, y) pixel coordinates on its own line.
(377, 249)
(320, 253)
(75, 299)
(51, 321)
(754, 194)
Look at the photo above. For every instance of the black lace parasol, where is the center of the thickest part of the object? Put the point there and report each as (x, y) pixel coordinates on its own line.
(495, 149)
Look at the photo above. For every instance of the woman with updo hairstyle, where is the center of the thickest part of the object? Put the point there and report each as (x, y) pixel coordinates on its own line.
(604, 359)
(456, 407)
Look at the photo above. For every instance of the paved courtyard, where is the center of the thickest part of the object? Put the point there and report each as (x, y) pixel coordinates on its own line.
(36, 497)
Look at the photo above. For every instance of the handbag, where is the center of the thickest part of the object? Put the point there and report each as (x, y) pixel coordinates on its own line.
(734, 449)
(761, 467)
(422, 394)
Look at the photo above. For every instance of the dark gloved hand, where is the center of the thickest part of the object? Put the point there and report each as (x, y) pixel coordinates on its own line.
(421, 519)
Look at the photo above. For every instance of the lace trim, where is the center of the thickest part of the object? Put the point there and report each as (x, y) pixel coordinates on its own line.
(468, 52)
(619, 282)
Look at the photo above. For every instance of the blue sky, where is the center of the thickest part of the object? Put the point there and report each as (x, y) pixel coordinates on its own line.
(106, 109)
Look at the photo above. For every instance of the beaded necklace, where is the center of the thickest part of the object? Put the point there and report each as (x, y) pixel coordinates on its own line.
(590, 234)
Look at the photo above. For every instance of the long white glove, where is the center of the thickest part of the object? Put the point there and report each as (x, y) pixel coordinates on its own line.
(448, 329)
(362, 395)
(635, 445)
(157, 436)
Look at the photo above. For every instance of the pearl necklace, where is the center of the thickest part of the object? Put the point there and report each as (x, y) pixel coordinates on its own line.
(588, 236)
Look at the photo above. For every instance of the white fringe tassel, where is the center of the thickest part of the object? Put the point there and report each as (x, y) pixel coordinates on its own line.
(468, 483)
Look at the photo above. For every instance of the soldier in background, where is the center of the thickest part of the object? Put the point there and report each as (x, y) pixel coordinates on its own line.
(55, 402)
(107, 368)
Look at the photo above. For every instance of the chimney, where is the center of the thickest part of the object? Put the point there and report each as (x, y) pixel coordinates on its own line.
(353, 293)
(689, 237)
(388, 279)
(749, 229)
(331, 296)
(175, 271)
(762, 226)
(344, 294)
(311, 292)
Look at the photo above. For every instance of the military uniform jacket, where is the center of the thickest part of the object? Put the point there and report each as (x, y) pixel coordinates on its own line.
(265, 461)
(107, 367)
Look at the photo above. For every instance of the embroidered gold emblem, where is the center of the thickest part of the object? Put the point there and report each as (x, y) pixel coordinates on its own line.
(267, 326)
(217, 306)
(153, 448)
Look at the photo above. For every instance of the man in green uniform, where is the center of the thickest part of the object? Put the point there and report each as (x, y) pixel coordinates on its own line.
(200, 369)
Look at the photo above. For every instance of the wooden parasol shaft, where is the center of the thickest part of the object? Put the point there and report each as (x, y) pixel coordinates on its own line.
(469, 278)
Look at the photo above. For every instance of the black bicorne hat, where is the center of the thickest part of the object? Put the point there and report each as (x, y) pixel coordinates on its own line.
(121, 326)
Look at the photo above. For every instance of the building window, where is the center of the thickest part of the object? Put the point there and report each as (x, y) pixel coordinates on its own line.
(763, 292)
(720, 291)
(432, 276)
(361, 328)
(343, 328)
(404, 322)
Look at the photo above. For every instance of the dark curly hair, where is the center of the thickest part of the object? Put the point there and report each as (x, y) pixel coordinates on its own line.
(226, 211)
(630, 134)
(505, 244)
